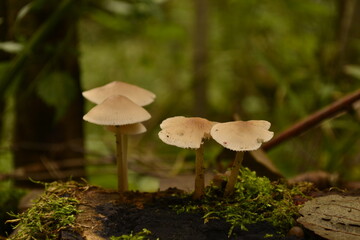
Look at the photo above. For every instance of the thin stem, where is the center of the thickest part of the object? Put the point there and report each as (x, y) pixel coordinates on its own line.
(229, 189)
(199, 173)
(121, 165)
(125, 163)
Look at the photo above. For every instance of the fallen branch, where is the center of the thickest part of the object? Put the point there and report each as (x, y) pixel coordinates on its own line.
(314, 119)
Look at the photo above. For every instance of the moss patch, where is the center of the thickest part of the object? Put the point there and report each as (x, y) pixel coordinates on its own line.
(142, 235)
(256, 199)
(52, 212)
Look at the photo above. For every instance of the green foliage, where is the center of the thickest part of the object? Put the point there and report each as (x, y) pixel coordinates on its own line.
(256, 199)
(58, 91)
(55, 210)
(122, 16)
(142, 235)
(36, 40)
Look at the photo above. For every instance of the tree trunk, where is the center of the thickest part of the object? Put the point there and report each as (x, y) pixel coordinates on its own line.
(44, 147)
(3, 55)
(348, 35)
(200, 58)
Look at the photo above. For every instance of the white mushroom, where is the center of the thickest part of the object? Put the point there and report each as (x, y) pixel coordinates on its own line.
(122, 116)
(189, 133)
(240, 136)
(138, 95)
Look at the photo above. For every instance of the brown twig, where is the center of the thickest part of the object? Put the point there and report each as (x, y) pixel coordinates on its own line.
(314, 119)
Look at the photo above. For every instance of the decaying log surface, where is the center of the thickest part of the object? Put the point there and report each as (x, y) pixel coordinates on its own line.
(333, 217)
(88, 220)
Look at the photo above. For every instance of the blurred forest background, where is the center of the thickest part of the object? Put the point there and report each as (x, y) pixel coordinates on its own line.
(274, 60)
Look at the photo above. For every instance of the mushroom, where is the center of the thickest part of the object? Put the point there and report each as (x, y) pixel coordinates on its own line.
(122, 116)
(138, 95)
(240, 136)
(189, 133)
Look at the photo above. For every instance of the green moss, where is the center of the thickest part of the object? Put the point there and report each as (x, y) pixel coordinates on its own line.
(52, 211)
(256, 199)
(142, 235)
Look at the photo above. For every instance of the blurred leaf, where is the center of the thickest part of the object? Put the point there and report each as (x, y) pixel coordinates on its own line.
(11, 47)
(58, 91)
(117, 7)
(353, 70)
(108, 20)
(116, 13)
(24, 11)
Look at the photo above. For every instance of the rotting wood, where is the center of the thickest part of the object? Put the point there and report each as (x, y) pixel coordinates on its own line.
(88, 220)
(333, 217)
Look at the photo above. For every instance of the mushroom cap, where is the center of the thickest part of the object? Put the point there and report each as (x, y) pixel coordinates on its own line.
(115, 111)
(185, 132)
(137, 94)
(128, 129)
(242, 135)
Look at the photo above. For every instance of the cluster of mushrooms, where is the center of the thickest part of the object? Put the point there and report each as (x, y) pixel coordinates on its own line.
(120, 110)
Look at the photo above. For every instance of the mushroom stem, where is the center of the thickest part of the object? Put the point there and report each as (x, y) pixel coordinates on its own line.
(121, 163)
(229, 189)
(199, 173)
(125, 151)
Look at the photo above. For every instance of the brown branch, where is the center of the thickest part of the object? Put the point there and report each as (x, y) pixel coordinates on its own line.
(314, 119)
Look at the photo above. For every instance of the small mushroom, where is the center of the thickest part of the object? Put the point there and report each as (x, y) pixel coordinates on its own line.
(138, 95)
(189, 133)
(122, 116)
(240, 136)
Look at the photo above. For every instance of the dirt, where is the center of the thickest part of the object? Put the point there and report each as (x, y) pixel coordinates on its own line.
(103, 215)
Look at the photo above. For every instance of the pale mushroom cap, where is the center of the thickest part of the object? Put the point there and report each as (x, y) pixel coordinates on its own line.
(185, 132)
(115, 111)
(128, 129)
(137, 94)
(242, 135)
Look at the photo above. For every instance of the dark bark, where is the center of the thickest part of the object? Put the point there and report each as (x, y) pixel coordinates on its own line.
(3, 55)
(200, 58)
(39, 138)
(347, 36)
